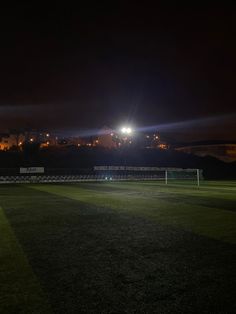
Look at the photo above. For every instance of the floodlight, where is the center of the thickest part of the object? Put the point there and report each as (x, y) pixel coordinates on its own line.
(126, 130)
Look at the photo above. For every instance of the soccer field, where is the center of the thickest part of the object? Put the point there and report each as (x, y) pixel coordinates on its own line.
(118, 247)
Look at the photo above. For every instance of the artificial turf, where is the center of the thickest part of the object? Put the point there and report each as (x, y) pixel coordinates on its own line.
(118, 247)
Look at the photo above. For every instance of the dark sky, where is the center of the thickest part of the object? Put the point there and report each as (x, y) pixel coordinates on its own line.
(72, 68)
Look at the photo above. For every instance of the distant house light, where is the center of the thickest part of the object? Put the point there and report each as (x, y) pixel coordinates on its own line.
(163, 146)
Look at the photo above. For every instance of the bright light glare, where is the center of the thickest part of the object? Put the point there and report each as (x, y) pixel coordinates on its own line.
(126, 130)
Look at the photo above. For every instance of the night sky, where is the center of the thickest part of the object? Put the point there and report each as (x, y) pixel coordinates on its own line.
(68, 68)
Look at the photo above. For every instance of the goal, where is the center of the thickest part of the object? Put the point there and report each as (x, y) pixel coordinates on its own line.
(182, 175)
(166, 175)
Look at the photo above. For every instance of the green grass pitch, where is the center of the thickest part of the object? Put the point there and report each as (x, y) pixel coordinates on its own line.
(118, 247)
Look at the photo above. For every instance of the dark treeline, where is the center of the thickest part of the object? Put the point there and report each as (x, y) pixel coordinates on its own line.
(85, 158)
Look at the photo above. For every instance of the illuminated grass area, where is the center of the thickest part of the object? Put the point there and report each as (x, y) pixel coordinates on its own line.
(118, 247)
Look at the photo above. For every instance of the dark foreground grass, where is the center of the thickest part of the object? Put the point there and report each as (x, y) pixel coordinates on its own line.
(128, 247)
